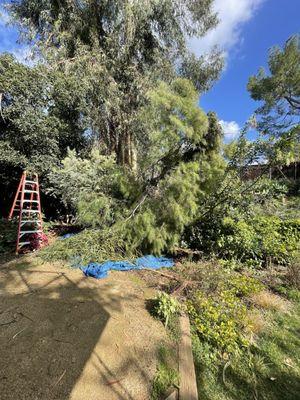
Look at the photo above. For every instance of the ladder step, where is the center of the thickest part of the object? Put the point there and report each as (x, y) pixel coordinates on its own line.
(36, 224)
(22, 233)
(30, 211)
(28, 221)
(30, 182)
(30, 191)
(30, 201)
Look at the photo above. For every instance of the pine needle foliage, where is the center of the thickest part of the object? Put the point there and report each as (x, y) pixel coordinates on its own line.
(90, 245)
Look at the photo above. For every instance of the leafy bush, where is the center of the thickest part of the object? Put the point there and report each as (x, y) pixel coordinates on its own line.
(237, 239)
(291, 294)
(277, 240)
(262, 239)
(219, 317)
(90, 188)
(219, 321)
(241, 285)
(166, 307)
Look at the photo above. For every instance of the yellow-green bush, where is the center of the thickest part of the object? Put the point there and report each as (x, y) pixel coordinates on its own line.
(219, 321)
(219, 318)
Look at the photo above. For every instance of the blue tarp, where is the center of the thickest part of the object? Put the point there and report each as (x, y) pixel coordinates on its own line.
(67, 236)
(99, 271)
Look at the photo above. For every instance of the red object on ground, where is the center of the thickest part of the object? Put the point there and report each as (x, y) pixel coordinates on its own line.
(38, 240)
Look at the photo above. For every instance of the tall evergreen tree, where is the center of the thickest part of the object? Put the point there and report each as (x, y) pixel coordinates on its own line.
(124, 47)
(278, 119)
(181, 162)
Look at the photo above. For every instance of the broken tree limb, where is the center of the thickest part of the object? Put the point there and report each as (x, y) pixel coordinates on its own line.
(137, 207)
(163, 274)
(1, 97)
(183, 285)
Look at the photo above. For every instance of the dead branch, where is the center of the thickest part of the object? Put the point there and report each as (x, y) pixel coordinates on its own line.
(163, 274)
(224, 371)
(113, 382)
(183, 285)
(16, 334)
(60, 378)
(137, 207)
(1, 97)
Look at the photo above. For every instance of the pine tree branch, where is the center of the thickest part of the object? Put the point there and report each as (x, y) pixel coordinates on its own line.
(137, 207)
(293, 102)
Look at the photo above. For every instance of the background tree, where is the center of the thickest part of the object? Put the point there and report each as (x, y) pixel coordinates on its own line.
(179, 167)
(278, 117)
(40, 117)
(127, 46)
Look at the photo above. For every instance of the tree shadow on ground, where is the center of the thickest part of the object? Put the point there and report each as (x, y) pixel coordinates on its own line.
(49, 328)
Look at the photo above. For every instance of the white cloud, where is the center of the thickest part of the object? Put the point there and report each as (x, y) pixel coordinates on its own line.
(8, 41)
(230, 129)
(4, 17)
(24, 55)
(232, 15)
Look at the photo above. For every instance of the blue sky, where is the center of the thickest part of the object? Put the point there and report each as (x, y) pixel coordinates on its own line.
(247, 30)
(266, 23)
(9, 37)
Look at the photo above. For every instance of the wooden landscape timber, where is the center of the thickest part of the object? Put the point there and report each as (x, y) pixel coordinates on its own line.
(188, 385)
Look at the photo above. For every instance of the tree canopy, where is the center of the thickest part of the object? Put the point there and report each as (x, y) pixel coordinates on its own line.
(118, 51)
(279, 92)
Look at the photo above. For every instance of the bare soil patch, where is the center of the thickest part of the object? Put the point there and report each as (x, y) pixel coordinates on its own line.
(65, 336)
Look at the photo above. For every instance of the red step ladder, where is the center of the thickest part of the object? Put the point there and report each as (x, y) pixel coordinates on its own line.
(27, 207)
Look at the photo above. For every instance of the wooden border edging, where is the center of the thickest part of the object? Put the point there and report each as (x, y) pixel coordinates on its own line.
(188, 385)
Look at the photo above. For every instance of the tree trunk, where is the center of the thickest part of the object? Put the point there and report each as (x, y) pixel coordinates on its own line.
(126, 152)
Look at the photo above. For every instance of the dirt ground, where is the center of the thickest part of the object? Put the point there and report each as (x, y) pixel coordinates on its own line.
(65, 336)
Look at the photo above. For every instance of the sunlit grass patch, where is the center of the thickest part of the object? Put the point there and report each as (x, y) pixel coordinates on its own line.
(270, 301)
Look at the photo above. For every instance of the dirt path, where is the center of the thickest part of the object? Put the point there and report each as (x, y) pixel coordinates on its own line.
(65, 336)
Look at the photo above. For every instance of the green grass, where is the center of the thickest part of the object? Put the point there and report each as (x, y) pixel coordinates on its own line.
(269, 370)
(136, 280)
(166, 376)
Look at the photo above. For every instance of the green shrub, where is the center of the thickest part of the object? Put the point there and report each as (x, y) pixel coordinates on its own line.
(90, 188)
(289, 293)
(262, 239)
(277, 240)
(219, 317)
(242, 286)
(219, 321)
(166, 307)
(237, 239)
